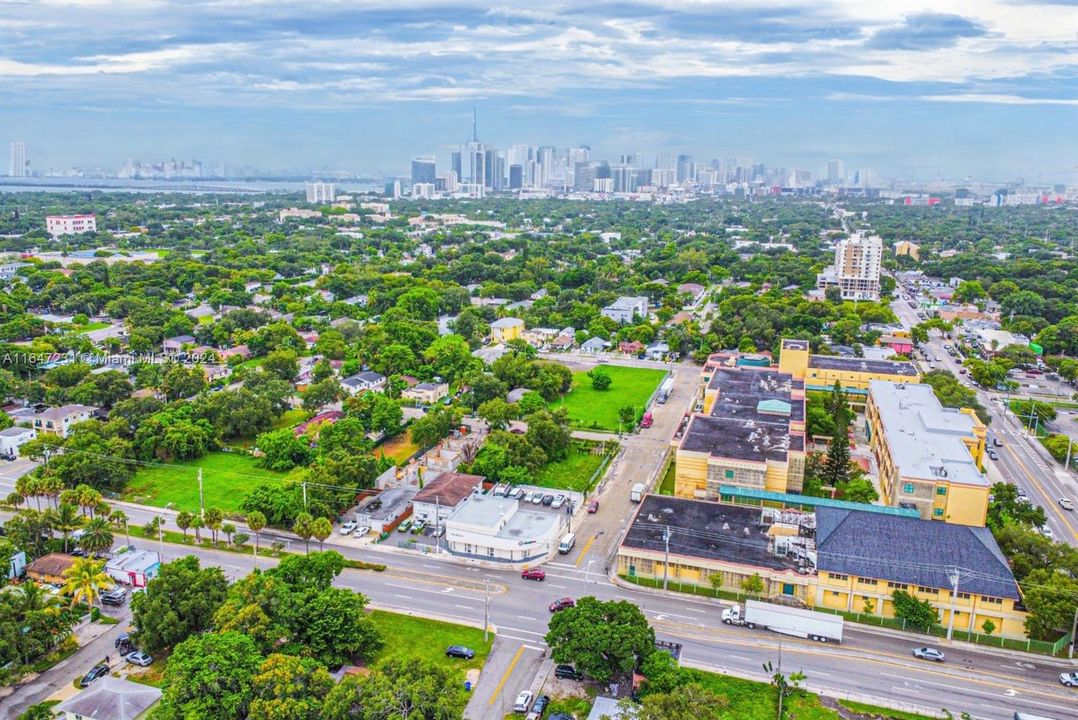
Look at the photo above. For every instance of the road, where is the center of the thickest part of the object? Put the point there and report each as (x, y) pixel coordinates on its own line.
(1021, 458)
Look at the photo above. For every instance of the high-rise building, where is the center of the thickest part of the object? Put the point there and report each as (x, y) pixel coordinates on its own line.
(836, 172)
(454, 163)
(624, 176)
(856, 271)
(321, 192)
(17, 166)
(686, 168)
(423, 169)
(516, 176)
(584, 174)
(474, 162)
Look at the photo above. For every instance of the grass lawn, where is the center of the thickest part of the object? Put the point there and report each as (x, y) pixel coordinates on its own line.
(874, 711)
(398, 448)
(89, 327)
(598, 409)
(226, 479)
(428, 639)
(666, 487)
(289, 418)
(204, 320)
(573, 473)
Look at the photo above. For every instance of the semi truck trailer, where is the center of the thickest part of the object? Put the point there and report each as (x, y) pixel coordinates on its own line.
(810, 624)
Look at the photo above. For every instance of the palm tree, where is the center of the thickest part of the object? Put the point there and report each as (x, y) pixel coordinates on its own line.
(183, 522)
(257, 522)
(51, 486)
(118, 518)
(302, 527)
(97, 537)
(152, 526)
(321, 529)
(228, 529)
(197, 523)
(86, 578)
(27, 486)
(88, 498)
(213, 518)
(14, 499)
(66, 520)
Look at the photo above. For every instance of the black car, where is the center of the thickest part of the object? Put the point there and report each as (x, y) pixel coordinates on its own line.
(568, 672)
(548, 500)
(540, 705)
(114, 597)
(123, 644)
(459, 651)
(96, 671)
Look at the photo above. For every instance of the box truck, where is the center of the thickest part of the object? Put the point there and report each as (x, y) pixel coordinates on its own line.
(637, 493)
(664, 390)
(786, 620)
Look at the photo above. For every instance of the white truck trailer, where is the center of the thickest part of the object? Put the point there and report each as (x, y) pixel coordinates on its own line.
(636, 494)
(664, 390)
(810, 624)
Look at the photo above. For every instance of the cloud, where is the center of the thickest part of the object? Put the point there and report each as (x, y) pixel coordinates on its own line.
(926, 31)
(997, 99)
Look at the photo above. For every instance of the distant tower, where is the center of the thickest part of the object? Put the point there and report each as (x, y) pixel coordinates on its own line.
(17, 164)
(475, 125)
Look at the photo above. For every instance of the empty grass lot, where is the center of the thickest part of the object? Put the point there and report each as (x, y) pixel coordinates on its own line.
(573, 473)
(598, 409)
(226, 479)
(428, 639)
(398, 448)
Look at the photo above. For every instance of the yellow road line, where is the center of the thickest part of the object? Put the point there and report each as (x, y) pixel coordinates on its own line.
(508, 672)
(587, 546)
(1050, 501)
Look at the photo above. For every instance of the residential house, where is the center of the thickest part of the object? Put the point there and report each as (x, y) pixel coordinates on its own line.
(240, 351)
(505, 329)
(361, 382)
(442, 495)
(50, 568)
(12, 438)
(383, 511)
(175, 344)
(631, 348)
(627, 309)
(110, 698)
(594, 345)
(58, 420)
(426, 393)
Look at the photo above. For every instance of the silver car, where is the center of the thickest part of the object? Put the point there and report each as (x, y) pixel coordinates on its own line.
(928, 653)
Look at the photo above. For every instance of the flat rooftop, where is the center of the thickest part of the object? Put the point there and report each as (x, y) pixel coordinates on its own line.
(482, 510)
(702, 529)
(757, 394)
(855, 364)
(924, 436)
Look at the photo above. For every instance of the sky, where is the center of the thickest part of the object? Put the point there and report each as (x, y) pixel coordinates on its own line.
(985, 89)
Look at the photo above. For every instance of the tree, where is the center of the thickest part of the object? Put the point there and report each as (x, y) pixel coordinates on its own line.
(918, 614)
(627, 416)
(860, 490)
(282, 450)
(289, 688)
(85, 579)
(398, 687)
(303, 526)
(118, 518)
(96, 536)
(752, 584)
(210, 677)
(66, 520)
(183, 522)
(988, 627)
(549, 431)
(257, 522)
(1006, 509)
(836, 471)
(685, 702)
(604, 639)
(178, 603)
(321, 529)
(497, 413)
(40, 711)
(281, 364)
(530, 403)
(320, 394)
(213, 517)
(229, 530)
(333, 626)
(433, 427)
(181, 382)
(600, 378)
(1049, 595)
(313, 571)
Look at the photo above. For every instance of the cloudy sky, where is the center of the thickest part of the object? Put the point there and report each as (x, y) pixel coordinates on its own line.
(910, 88)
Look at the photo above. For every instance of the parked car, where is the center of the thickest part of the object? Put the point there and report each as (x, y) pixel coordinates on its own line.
(593, 506)
(539, 707)
(548, 500)
(568, 672)
(459, 651)
(1070, 679)
(537, 498)
(97, 671)
(533, 574)
(140, 658)
(516, 493)
(348, 527)
(1066, 503)
(361, 531)
(123, 644)
(114, 597)
(558, 502)
(993, 454)
(524, 699)
(405, 526)
(563, 604)
(928, 653)
(418, 527)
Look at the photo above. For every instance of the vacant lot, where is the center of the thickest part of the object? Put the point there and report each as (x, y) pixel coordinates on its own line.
(398, 448)
(226, 479)
(574, 472)
(598, 409)
(428, 639)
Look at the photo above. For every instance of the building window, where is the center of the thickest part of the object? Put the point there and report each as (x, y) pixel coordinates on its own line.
(941, 490)
(927, 590)
(908, 488)
(866, 581)
(897, 586)
(963, 596)
(838, 578)
(937, 512)
(992, 600)
(490, 551)
(729, 474)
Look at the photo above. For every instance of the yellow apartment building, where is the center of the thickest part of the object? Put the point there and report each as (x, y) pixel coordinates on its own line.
(505, 329)
(930, 457)
(820, 372)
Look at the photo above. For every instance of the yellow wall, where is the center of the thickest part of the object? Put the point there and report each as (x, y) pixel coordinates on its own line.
(967, 505)
(690, 473)
(506, 334)
(794, 362)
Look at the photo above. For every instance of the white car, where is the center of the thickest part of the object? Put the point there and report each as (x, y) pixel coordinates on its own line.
(928, 653)
(558, 502)
(1066, 504)
(1047, 532)
(524, 700)
(348, 527)
(537, 498)
(361, 531)
(1069, 679)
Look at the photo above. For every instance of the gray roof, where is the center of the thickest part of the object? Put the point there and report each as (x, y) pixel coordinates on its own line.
(15, 431)
(925, 438)
(856, 364)
(111, 698)
(911, 551)
(366, 377)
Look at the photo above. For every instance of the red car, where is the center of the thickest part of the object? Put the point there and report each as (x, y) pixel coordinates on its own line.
(563, 604)
(533, 574)
(593, 506)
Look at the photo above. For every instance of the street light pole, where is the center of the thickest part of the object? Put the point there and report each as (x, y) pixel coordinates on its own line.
(954, 601)
(486, 609)
(666, 559)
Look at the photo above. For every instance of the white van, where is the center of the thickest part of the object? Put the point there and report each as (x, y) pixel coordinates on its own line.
(567, 543)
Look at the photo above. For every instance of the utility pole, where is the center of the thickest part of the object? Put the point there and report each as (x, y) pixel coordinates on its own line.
(1074, 629)
(201, 503)
(486, 609)
(304, 494)
(666, 559)
(954, 577)
(1070, 444)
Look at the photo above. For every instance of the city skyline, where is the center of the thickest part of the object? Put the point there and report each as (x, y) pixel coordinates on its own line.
(912, 90)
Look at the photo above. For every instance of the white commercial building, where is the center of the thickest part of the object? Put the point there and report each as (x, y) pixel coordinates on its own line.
(17, 161)
(625, 309)
(57, 225)
(856, 272)
(321, 192)
(485, 527)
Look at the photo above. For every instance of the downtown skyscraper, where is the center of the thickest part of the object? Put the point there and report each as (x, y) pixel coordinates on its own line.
(17, 166)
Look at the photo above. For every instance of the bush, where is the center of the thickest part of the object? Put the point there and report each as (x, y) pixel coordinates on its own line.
(361, 565)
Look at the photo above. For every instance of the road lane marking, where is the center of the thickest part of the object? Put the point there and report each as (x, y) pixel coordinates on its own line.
(560, 587)
(1050, 501)
(403, 597)
(587, 546)
(526, 632)
(508, 671)
(526, 617)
